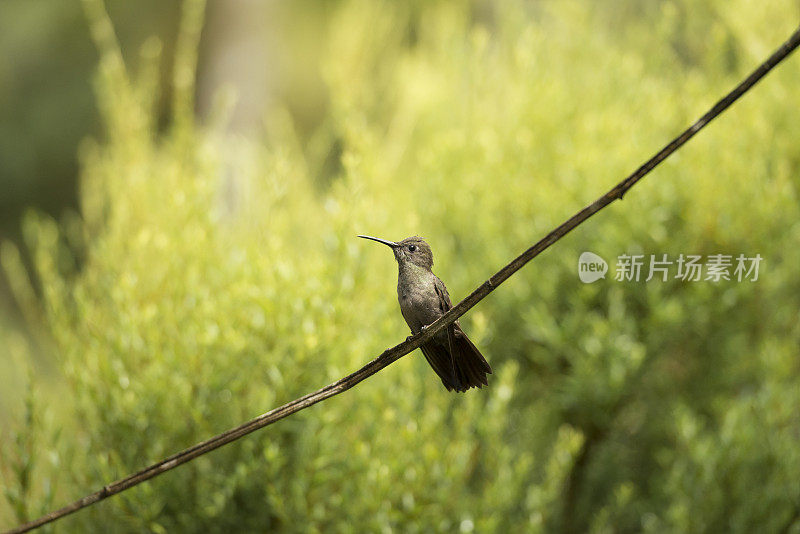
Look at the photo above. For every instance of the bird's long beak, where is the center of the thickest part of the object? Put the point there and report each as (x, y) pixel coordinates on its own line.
(384, 241)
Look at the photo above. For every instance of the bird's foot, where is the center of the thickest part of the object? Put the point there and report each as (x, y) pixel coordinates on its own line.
(421, 331)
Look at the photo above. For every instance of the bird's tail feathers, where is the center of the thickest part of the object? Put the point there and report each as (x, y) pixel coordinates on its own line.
(471, 367)
(465, 369)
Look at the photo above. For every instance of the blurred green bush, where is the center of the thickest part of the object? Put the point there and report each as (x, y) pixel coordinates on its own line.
(209, 278)
(46, 101)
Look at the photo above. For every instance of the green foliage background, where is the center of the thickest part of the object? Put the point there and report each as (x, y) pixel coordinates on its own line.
(210, 277)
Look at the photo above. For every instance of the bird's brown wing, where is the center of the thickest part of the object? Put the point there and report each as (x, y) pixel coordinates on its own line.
(469, 367)
(444, 296)
(444, 306)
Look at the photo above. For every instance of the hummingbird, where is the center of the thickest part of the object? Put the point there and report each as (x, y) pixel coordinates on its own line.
(423, 299)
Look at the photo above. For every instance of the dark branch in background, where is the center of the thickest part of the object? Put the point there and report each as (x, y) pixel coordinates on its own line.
(391, 355)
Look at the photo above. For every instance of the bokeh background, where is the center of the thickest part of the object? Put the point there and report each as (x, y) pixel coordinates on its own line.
(182, 184)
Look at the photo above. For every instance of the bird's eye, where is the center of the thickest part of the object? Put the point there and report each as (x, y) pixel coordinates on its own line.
(412, 248)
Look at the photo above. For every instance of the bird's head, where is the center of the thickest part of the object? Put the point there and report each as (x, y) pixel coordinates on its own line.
(412, 250)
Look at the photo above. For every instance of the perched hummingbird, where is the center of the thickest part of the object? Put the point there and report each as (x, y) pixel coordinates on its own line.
(423, 299)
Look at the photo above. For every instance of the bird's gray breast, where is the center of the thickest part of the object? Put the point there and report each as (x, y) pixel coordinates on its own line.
(418, 299)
